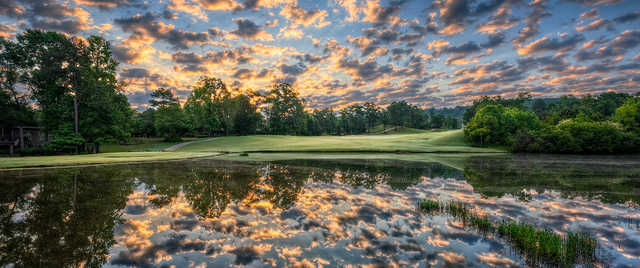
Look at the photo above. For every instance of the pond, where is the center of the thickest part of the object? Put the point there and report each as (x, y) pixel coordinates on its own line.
(208, 213)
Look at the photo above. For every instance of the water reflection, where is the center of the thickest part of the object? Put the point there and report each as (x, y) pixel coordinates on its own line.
(305, 213)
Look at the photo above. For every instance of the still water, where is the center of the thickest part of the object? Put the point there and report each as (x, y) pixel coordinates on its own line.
(208, 213)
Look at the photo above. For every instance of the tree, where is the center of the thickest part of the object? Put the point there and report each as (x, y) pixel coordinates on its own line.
(143, 124)
(170, 120)
(399, 113)
(495, 124)
(517, 102)
(285, 111)
(628, 115)
(71, 80)
(246, 116)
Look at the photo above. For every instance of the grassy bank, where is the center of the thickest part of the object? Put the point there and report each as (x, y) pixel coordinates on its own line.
(449, 145)
(143, 145)
(426, 142)
(102, 158)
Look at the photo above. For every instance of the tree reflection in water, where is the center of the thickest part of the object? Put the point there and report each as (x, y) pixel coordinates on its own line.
(61, 218)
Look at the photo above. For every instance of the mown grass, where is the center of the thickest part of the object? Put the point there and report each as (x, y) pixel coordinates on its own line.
(428, 142)
(540, 247)
(143, 145)
(90, 159)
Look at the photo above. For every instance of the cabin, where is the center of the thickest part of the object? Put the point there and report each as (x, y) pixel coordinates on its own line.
(21, 137)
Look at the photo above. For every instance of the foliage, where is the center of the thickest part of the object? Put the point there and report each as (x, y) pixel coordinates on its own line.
(569, 125)
(65, 139)
(170, 119)
(62, 73)
(494, 123)
(628, 114)
(518, 102)
(285, 111)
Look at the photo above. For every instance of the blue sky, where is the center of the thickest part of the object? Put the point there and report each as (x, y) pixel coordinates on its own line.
(338, 52)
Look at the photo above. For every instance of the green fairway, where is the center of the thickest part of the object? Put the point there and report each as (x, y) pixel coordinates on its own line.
(145, 145)
(447, 147)
(426, 142)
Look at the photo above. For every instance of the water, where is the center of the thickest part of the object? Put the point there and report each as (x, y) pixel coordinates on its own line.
(207, 213)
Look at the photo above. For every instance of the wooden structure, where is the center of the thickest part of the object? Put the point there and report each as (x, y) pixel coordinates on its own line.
(22, 137)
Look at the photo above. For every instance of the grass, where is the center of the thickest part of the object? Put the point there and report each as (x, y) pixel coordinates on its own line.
(540, 247)
(90, 159)
(145, 145)
(430, 206)
(446, 147)
(426, 142)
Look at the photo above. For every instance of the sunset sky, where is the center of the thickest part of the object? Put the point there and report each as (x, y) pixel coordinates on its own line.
(337, 52)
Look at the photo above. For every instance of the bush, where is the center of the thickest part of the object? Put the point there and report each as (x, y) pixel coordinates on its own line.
(498, 125)
(629, 115)
(40, 150)
(64, 140)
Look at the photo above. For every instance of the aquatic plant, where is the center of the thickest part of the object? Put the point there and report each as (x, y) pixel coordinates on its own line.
(430, 206)
(538, 246)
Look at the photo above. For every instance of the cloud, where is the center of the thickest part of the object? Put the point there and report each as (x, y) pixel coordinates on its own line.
(629, 17)
(250, 30)
(11, 8)
(500, 21)
(382, 15)
(456, 14)
(351, 7)
(554, 44)
(596, 25)
(594, 2)
(192, 62)
(105, 4)
(305, 17)
(539, 11)
(624, 42)
(48, 15)
(367, 70)
(7, 31)
(591, 14)
(145, 27)
(460, 52)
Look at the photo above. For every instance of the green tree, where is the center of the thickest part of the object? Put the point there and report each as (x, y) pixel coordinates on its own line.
(71, 80)
(495, 124)
(170, 120)
(517, 102)
(246, 117)
(399, 113)
(628, 115)
(285, 111)
(209, 106)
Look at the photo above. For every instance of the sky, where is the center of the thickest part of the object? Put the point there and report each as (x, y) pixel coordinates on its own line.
(440, 53)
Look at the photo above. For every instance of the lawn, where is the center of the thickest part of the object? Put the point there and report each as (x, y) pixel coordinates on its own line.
(442, 146)
(102, 158)
(425, 142)
(144, 145)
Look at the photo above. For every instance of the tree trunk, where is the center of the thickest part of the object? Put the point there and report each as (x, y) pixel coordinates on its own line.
(75, 104)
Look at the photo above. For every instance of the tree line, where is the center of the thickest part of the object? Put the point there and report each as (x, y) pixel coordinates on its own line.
(72, 91)
(213, 109)
(600, 124)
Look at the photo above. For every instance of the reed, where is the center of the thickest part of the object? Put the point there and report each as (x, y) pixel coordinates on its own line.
(540, 247)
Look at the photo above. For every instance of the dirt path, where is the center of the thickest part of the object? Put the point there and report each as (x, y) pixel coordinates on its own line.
(180, 145)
